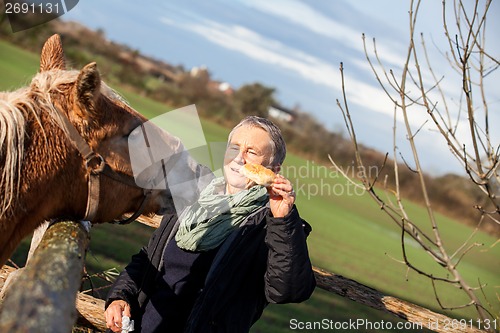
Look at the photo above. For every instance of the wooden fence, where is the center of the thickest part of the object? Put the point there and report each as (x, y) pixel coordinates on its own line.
(43, 297)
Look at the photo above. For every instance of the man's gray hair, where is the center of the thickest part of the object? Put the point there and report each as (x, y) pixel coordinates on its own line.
(278, 145)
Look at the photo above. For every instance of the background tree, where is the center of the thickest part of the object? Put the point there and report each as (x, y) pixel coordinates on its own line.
(254, 99)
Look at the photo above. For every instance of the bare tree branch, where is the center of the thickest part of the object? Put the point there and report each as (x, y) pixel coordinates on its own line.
(467, 56)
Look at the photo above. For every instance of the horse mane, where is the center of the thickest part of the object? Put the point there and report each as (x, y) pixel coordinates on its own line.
(15, 108)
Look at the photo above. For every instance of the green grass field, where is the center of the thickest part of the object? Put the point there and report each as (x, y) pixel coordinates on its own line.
(351, 236)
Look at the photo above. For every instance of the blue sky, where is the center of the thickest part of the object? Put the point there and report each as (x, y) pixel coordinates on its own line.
(295, 46)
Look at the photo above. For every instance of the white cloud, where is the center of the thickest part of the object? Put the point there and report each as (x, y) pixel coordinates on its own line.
(242, 40)
(253, 45)
(307, 17)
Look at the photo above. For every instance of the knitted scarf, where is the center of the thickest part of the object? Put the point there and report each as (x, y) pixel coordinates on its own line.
(206, 224)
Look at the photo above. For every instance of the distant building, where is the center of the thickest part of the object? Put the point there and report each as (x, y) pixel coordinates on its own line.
(199, 71)
(223, 87)
(281, 113)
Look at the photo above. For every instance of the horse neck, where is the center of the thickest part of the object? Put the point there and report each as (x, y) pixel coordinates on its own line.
(49, 172)
(63, 171)
(50, 175)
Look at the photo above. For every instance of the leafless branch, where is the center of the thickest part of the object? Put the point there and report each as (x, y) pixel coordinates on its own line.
(467, 56)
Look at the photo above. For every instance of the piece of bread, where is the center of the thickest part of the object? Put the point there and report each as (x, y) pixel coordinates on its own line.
(258, 174)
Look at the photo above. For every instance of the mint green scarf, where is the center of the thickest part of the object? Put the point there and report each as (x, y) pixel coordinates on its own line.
(206, 224)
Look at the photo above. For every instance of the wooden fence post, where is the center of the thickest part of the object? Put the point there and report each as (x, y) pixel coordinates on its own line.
(42, 298)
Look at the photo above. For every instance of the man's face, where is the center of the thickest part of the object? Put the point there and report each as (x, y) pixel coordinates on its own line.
(247, 145)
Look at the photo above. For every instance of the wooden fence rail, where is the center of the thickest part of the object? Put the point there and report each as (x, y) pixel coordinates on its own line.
(43, 298)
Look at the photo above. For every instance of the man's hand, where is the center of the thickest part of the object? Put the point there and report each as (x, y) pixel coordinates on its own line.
(281, 196)
(114, 314)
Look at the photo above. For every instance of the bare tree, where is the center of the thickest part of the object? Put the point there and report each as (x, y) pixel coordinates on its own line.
(419, 88)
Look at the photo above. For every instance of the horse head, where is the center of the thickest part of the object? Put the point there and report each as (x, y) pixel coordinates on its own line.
(105, 121)
(77, 128)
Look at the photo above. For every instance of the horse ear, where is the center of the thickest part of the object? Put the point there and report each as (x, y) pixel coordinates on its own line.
(87, 89)
(52, 56)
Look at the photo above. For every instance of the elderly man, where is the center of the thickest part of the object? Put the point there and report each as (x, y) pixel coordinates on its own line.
(216, 267)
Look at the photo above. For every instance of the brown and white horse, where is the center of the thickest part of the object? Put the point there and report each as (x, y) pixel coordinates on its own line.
(43, 174)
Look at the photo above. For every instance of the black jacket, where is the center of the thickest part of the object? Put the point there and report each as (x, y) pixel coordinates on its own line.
(264, 261)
